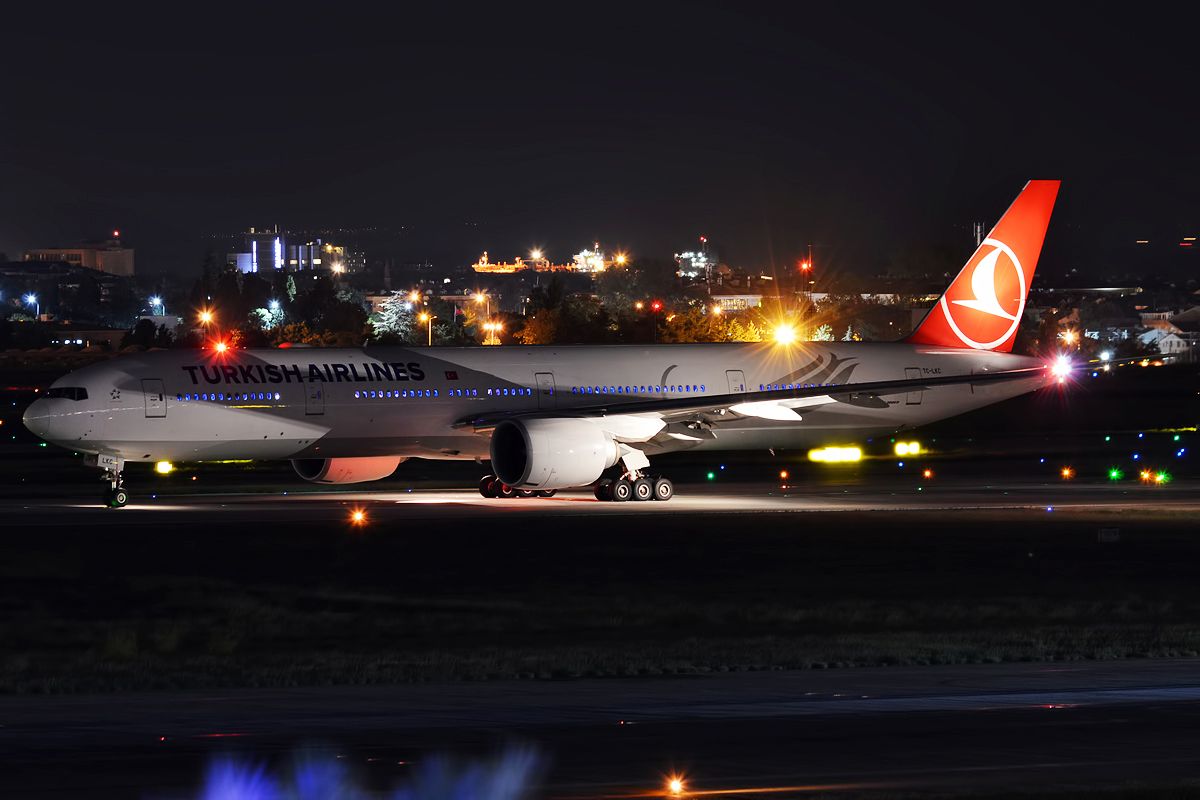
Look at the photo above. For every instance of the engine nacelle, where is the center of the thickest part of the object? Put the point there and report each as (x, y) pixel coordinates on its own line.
(551, 453)
(346, 470)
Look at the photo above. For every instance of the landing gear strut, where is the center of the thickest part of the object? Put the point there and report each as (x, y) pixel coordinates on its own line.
(490, 486)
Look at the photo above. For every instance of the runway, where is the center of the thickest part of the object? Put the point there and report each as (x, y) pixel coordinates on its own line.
(877, 495)
(993, 727)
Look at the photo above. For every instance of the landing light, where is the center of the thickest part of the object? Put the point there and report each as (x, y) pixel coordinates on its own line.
(164, 467)
(675, 786)
(907, 448)
(835, 455)
(358, 517)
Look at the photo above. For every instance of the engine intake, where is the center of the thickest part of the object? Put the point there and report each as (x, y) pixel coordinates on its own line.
(551, 453)
(346, 470)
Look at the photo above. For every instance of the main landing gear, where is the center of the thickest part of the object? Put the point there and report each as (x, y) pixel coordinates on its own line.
(640, 487)
(493, 487)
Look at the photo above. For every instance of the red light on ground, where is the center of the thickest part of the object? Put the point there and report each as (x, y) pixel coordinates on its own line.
(220, 347)
(656, 306)
(1185, 244)
(116, 234)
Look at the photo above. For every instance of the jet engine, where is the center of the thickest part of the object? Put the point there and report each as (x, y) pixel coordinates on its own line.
(346, 470)
(551, 453)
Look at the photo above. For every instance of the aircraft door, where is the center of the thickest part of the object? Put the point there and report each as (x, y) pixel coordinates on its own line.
(545, 390)
(156, 401)
(737, 381)
(314, 398)
(913, 398)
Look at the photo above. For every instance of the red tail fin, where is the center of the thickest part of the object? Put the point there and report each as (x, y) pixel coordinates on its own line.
(983, 305)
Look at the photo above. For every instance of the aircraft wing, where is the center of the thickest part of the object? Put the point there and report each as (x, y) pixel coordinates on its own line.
(778, 404)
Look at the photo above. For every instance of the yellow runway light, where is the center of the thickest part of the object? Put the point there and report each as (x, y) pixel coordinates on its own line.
(835, 455)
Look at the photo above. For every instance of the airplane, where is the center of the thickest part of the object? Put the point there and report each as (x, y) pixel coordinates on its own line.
(558, 417)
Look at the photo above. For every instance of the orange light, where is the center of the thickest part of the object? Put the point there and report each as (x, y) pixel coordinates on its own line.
(1067, 473)
(675, 786)
(206, 316)
(927, 473)
(1147, 475)
(358, 517)
(220, 347)
(639, 305)
(783, 474)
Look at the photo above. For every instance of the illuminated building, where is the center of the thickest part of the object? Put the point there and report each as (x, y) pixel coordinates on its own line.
(271, 250)
(107, 256)
(697, 264)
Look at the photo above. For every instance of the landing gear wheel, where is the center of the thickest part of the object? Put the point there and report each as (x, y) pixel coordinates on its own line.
(621, 490)
(487, 486)
(603, 490)
(504, 490)
(663, 489)
(117, 498)
(643, 489)
(547, 492)
(526, 493)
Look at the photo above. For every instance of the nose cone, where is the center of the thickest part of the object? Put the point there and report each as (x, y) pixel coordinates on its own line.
(36, 419)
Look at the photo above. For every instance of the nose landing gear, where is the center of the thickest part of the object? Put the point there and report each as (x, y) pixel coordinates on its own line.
(116, 496)
(113, 468)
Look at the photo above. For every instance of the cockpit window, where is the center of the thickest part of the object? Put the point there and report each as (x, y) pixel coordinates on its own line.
(68, 392)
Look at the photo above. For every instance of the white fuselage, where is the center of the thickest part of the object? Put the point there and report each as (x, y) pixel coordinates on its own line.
(375, 401)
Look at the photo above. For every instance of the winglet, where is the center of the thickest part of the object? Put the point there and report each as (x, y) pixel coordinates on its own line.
(983, 306)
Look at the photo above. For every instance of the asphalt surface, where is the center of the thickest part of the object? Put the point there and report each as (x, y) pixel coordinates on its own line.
(889, 730)
(902, 493)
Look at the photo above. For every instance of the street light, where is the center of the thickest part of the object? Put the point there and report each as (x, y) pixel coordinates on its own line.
(428, 318)
(206, 316)
(156, 302)
(784, 334)
(622, 259)
(481, 297)
(535, 254)
(31, 299)
(273, 305)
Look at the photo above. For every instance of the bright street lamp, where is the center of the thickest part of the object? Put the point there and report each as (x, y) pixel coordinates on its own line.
(156, 302)
(273, 305)
(784, 334)
(535, 254)
(428, 318)
(481, 297)
(31, 299)
(206, 316)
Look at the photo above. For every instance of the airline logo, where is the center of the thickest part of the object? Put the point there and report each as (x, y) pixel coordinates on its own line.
(983, 307)
(991, 305)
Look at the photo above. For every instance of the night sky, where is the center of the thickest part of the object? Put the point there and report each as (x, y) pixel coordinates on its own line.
(506, 127)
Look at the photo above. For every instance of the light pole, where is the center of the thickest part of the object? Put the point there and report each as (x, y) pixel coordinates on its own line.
(156, 302)
(481, 297)
(31, 299)
(428, 318)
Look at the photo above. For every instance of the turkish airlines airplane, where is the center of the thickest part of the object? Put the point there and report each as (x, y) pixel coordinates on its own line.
(552, 417)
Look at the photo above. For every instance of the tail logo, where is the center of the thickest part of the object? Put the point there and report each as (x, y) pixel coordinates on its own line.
(994, 300)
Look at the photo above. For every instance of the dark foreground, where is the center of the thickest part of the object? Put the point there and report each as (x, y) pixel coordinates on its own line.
(885, 732)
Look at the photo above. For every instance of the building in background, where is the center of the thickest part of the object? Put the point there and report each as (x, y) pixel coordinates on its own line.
(697, 265)
(108, 256)
(266, 250)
